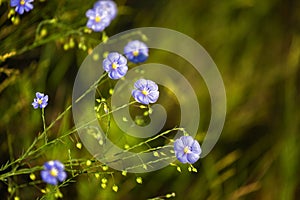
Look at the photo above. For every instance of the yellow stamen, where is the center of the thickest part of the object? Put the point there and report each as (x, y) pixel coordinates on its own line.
(186, 150)
(135, 53)
(54, 172)
(40, 101)
(22, 2)
(145, 92)
(114, 66)
(97, 19)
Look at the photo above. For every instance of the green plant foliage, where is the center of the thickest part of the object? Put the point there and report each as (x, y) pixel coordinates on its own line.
(256, 46)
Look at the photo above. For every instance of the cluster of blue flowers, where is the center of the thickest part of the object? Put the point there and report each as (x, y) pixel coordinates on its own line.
(187, 150)
(100, 16)
(115, 64)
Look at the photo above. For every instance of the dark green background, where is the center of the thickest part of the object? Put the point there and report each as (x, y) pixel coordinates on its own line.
(256, 46)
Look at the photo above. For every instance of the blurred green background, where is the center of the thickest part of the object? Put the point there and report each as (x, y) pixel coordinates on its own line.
(256, 46)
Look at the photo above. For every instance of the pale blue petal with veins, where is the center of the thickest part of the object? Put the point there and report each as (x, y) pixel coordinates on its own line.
(145, 92)
(187, 150)
(115, 65)
(109, 6)
(136, 51)
(98, 19)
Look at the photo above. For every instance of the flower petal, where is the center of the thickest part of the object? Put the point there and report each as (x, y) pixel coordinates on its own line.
(90, 14)
(45, 98)
(61, 176)
(178, 145)
(28, 7)
(182, 157)
(39, 95)
(35, 105)
(140, 97)
(122, 60)
(46, 177)
(141, 58)
(122, 70)
(195, 148)
(192, 157)
(58, 165)
(109, 6)
(14, 3)
(187, 141)
(153, 96)
(113, 74)
(20, 9)
(152, 85)
(43, 105)
(113, 56)
(107, 65)
(136, 46)
(48, 165)
(140, 84)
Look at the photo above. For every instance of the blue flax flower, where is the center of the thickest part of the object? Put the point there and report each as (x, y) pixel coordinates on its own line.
(109, 6)
(187, 150)
(21, 5)
(116, 65)
(136, 51)
(53, 172)
(145, 92)
(98, 19)
(41, 101)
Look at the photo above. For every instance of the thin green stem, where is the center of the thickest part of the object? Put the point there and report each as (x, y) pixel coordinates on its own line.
(44, 125)
(117, 109)
(150, 162)
(154, 138)
(43, 134)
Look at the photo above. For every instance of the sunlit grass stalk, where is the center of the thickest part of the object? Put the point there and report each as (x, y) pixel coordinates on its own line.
(117, 109)
(150, 162)
(30, 151)
(20, 172)
(156, 137)
(44, 126)
(144, 165)
(146, 151)
(43, 134)
(170, 195)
